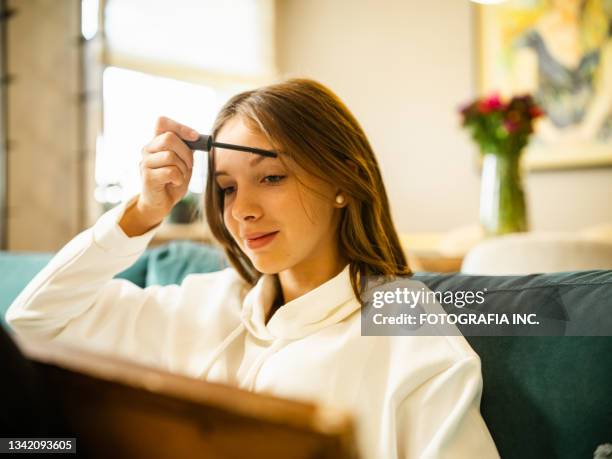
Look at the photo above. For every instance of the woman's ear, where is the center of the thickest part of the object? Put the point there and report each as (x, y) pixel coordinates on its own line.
(342, 198)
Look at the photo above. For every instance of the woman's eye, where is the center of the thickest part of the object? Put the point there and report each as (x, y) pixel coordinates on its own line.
(271, 179)
(274, 178)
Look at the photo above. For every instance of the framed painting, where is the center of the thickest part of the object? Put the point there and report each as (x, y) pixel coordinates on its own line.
(560, 51)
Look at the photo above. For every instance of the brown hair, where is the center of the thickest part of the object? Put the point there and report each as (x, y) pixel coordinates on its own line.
(308, 123)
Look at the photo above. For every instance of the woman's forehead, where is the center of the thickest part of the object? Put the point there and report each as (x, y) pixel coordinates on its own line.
(238, 132)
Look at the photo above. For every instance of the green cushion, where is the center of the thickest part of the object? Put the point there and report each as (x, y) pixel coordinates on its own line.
(171, 263)
(17, 269)
(163, 265)
(544, 396)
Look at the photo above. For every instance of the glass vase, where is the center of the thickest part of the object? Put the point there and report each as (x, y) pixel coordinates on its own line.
(502, 199)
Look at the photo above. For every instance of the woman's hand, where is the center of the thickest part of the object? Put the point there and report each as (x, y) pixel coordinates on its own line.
(166, 168)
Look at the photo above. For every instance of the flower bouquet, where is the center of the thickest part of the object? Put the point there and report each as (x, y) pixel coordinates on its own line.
(501, 129)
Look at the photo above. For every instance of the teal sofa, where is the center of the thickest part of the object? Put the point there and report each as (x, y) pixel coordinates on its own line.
(544, 396)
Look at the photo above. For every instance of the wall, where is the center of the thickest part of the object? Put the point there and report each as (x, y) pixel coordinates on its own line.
(45, 186)
(403, 67)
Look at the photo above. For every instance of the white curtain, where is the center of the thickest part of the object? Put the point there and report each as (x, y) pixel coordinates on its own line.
(193, 38)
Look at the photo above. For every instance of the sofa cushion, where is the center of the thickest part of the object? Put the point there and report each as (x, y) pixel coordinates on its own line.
(172, 262)
(17, 269)
(162, 265)
(544, 396)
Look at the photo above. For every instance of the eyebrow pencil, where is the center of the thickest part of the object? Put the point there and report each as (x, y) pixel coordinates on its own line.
(206, 142)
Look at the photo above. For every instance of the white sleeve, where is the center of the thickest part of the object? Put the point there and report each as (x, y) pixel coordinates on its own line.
(441, 417)
(75, 298)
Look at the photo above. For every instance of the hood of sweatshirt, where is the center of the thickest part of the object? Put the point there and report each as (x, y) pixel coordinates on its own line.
(327, 304)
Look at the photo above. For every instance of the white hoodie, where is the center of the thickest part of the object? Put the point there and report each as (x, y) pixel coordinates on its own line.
(412, 396)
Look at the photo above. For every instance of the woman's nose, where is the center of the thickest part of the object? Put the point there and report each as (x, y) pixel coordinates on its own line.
(245, 206)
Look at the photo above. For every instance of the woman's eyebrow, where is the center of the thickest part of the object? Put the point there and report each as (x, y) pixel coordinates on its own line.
(253, 162)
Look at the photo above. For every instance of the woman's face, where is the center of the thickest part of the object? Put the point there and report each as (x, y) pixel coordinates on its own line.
(262, 196)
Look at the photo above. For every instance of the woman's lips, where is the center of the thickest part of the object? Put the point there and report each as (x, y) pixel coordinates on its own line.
(261, 241)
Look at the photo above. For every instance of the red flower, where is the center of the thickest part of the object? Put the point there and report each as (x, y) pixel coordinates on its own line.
(499, 124)
(490, 104)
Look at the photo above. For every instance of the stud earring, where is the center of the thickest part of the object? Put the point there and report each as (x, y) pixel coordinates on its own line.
(339, 199)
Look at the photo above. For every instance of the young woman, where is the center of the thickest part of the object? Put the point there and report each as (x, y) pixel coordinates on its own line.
(301, 231)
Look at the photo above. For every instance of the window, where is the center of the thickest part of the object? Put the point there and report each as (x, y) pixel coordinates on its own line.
(182, 59)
